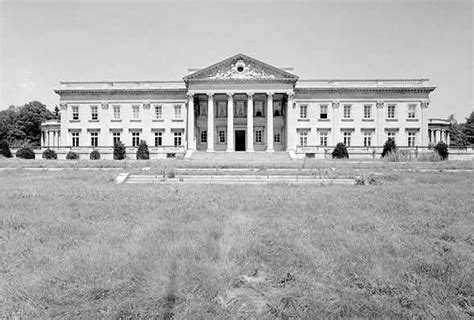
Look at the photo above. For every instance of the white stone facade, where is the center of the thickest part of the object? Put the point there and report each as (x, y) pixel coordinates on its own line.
(272, 110)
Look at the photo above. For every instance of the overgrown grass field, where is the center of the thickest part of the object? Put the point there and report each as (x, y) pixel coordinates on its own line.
(76, 245)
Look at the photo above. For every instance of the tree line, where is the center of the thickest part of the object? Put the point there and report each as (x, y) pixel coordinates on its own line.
(461, 134)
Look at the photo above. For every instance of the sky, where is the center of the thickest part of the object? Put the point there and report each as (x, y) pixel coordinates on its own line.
(44, 42)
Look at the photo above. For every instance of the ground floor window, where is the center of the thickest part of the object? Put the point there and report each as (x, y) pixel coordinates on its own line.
(411, 139)
(323, 139)
(347, 138)
(303, 138)
(94, 139)
(277, 136)
(177, 138)
(135, 139)
(221, 134)
(158, 139)
(203, 136)
(75, 139)
(367, 139)
(116, 137)
(391, 135)
(259, 136)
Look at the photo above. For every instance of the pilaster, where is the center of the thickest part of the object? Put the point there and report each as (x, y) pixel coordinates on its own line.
(249, 122)
(210, 123)
(230, 122)
(191, 137)
(269, 121)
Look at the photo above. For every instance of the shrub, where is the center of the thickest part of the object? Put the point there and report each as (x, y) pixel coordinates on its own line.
(389, 147)
(119, 151)
(49, 154)
(429, 157)
(5, 149)
(71, 155)
(340, 151)
(142, 152)
(442, 149)
(399, 156)
(95, 155)
(25, 153)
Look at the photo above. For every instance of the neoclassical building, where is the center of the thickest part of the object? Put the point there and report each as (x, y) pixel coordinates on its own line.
(240, 104)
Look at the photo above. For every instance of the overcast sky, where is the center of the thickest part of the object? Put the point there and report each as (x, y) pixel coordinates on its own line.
(44, 42)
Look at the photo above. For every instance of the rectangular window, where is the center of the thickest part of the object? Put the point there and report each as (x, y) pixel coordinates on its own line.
(303, 138)
(367, 139)
(258, 136)
(367, 111)
(391, 135)
(203, 108)
(240, 109)
(94, 113)
(411, 111)
(221, 134)
(391, 111)
(347, 138)
(277, 136)
(117, 112)
(221, 108)
(177, 138)
(158, 112)
(411, 139)
(303, 111)
(135, 139)
(277, 111)
(136, 112)
(259, 108)
(177, 111)
(94, 139)
(323, 138)
(204, 136)
(323, 111)
(158, 138)
(75, 139)
(347, 111)
(75, 112)
(116, 137)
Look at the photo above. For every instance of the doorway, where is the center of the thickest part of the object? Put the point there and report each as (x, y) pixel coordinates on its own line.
(239, 140)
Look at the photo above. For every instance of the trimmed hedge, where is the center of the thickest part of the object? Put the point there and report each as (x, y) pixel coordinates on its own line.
(142, 151)
(71, 155)
(25, 153)
(50, 154)
(389, 147)
(119, 151)
(340, 151)
(5, 149)
(442, 149)
(95, 155)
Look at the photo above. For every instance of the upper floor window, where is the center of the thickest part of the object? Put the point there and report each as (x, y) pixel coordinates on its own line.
(367, 111)
(303, 111)
(158, 138)
(259, 109)
(116, 112)
(75, 112)
(75, 139)
(347, 138)
(347, 111)
(391, 111)
(240, 108)
(221, 108)
(411, 111)
(136, 112)
(323, 111)
(94, 139)
(158, 112)
(303, 138)
(177, 111)
(203, 108)
(94, 112)
(135, 139)
(277, 110)
(411, 138)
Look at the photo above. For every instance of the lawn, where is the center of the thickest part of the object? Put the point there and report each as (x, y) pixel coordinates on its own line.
(76, 245)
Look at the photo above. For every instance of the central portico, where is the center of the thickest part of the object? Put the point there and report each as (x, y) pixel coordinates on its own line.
(240, 104)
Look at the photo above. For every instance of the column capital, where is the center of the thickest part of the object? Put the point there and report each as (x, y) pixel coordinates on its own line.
(105, 105)
(291, 95)
(335, 104)
(63, 106)
(270, 94)
(210, 95)
(379, 103)
(230, 95)
(425, 103)
(146, 104)
(190, 95)
(250, 94)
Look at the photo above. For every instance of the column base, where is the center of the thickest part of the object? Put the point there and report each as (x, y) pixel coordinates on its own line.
(270, 150)
(210, 150)
(249, 150)
(230, 150)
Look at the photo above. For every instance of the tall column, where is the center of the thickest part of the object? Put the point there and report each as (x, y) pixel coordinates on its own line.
(424, 122)
(336, 126)
(210, 123)
(49, 138)
(230, 122)
(448, 138)
(191, 137)
(54, 138)
(291, 124)
(249, 121)
(270, 122)
(380, 129)
(64, 116)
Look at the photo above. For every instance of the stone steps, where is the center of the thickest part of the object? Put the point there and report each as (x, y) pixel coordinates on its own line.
(256, 157)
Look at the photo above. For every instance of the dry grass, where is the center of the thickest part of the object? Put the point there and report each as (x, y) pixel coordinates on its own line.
(76, 245)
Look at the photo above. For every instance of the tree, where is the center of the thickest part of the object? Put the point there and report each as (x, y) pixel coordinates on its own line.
(468, 128)
(5, 149)
(57, 113)
(389, 147)
(340, 151)
(142, 151)
(119, 151)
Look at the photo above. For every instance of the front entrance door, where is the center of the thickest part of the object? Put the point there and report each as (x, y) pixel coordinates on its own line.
(239, 140)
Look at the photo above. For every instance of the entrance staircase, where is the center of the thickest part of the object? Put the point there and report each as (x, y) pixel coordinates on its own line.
(223, 157)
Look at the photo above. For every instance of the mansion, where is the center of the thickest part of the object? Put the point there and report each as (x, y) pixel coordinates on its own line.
(240, 105)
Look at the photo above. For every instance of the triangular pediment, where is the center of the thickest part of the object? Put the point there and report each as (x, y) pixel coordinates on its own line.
(240, 67)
